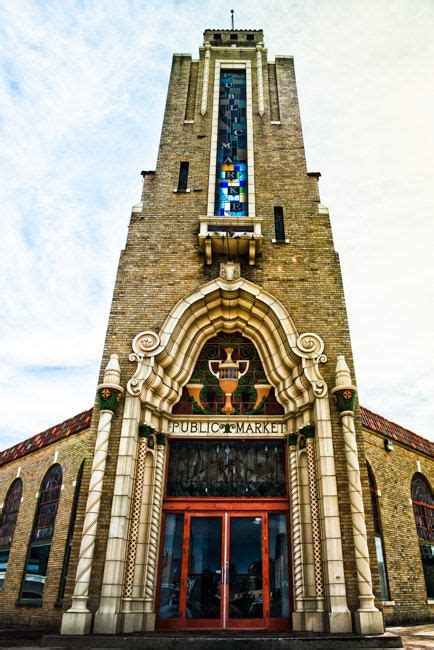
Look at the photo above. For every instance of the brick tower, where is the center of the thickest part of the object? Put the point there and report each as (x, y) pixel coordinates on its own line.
(225, 490)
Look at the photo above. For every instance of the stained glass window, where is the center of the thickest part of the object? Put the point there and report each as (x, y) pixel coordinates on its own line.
(40, 545)
(7, 524)
(226, 468)
(231, 172)
(423, 508)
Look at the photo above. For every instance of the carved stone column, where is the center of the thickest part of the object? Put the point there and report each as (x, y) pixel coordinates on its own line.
(261, 110)
(316, 623)
(367, 618)
(204, 102)
(154, 534)
(133, 607)
(77, 620)
(297, 546)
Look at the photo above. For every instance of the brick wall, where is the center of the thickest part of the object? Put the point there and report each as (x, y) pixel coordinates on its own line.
(393, 472)
(71, 453)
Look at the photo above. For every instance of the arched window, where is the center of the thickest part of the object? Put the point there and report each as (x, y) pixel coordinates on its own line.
(423, 508)
(40, 542)
(8, 520)
(378, 535)
(72, 519)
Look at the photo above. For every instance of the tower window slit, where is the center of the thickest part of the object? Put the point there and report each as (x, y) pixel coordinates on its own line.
(183, 176)
(279, 225)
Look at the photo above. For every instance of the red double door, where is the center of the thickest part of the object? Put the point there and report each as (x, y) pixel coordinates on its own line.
(224, 570)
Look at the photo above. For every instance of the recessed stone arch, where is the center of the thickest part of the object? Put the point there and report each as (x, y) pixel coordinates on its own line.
(166, 360)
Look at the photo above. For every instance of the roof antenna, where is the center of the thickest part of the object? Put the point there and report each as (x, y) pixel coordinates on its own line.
(232, 18)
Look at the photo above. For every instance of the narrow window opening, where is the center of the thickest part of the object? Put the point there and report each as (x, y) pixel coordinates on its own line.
(378, 535)
(217, 37)
(279, 226)
(183, 176)
(234, 37)
(250, 37)
(8, 521)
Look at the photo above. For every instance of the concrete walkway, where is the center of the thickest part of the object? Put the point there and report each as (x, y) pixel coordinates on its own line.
(415, 636)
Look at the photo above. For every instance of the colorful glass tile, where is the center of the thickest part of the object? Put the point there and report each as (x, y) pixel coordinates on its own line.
(232, 146)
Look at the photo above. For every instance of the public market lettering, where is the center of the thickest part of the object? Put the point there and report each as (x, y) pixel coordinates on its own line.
(237, 428)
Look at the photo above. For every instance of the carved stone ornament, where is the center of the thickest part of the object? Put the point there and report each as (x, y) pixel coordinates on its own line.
(309, 345)
(230, 270)
(292, 439)
(109, 397)
(145, 343)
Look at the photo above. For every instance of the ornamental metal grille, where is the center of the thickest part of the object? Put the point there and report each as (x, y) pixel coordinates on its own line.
(226, 468)
(48, 502)
(10, 512)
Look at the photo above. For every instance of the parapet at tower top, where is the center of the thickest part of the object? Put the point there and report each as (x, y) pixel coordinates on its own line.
(237, 37)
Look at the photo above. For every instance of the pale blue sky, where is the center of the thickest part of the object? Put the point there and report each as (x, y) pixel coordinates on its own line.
(82, 92)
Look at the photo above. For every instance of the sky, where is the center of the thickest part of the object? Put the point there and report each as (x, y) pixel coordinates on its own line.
(82, 93)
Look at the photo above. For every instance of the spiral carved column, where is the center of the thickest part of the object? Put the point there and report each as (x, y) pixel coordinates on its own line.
(77, 619)
(368, 619)
(154, 523)
(297, 547)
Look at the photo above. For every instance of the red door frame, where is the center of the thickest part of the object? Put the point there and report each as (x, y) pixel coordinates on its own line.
(208, 507)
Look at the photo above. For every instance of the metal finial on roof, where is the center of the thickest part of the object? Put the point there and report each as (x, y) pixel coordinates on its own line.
(232, 18)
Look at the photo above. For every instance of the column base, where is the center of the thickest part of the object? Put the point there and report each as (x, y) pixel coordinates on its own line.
(149, 621)
(107, 623)
(76, 622)
(314, 621)
(298, 621)
(133, 622)
(369, 621)
(340, 622)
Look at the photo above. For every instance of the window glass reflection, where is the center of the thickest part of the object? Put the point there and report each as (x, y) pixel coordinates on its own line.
(171, 566)
(245, 568)
(278, 562)
(204, 568)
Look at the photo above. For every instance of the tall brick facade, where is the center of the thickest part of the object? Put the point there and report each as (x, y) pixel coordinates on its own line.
(187, 274)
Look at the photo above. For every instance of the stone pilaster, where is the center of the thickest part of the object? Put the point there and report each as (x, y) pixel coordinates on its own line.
(204, 102)
(108, 618)
(368, 619)
(77, 620)
(297, 545)
(316, 622)
(261, 110)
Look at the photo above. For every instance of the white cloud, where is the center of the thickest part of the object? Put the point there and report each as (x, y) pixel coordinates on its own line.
(82, 94)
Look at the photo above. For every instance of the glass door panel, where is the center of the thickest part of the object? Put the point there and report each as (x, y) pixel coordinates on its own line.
(170, 581)
(245, 568)
(278, 565)
(204, 568)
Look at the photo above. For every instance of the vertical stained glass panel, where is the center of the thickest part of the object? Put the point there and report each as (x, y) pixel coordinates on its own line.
(231, 169)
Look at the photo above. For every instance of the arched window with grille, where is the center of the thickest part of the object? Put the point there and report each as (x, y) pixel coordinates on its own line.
(38, 554)
(378, 536)
(423, 508)
(8, 520)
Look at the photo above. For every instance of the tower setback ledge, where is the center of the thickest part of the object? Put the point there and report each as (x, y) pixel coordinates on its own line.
(230, 236)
